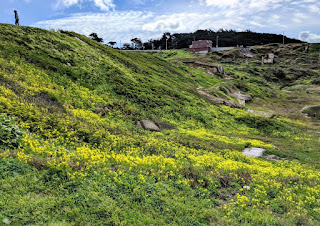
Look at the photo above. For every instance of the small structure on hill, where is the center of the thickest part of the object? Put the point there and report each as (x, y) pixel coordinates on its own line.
(267, 59)
(201, 46)
(246, 52)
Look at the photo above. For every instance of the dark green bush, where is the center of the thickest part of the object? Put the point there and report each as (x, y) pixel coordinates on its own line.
(10, 133)
(11, 168)
(265, 125)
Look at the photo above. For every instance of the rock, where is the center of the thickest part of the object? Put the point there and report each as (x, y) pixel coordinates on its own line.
(253, 152)
(242, 98)
(138, 125)
(164, 125)
(220, 69)
(274, 158)
(218, 100)
(149, 125)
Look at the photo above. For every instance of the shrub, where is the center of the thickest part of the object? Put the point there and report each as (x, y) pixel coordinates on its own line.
(10, 133)
(265, 125)
(11, 168)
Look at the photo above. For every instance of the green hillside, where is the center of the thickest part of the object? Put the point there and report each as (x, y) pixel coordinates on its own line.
(71, 153)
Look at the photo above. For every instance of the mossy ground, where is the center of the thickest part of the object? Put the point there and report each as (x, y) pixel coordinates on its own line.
(83, 161)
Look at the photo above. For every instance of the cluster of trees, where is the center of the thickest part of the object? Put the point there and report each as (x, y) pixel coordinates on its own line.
(94, 36)
(226, 38)
(167, 41)
(184, 40)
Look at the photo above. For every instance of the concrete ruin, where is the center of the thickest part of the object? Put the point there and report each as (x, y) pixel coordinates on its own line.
(253, 152)
(267, 59)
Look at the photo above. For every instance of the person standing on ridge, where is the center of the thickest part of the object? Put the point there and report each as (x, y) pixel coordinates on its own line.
(16, 17)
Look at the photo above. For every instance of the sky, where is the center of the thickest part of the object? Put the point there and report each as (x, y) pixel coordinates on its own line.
(122, 20)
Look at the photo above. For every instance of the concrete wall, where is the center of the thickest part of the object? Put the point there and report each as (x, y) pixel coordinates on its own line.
(221, 49)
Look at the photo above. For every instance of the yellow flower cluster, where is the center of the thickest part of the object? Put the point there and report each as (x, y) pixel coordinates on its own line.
(203, 134)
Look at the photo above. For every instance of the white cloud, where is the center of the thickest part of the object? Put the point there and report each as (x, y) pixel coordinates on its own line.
(111, 26)
(115, 26)
(256, 24)
(163, 25)
(221, 3)
(244, 6)
(104, 5)
(309, 1)
(67, 3)
(314, 9)
(307, 36)
(174, 22)
(272, 16)
(299, 17)
(189, 22)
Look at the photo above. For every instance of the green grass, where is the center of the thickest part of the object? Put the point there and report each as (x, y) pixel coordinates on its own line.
(174, 54)
(81, 160)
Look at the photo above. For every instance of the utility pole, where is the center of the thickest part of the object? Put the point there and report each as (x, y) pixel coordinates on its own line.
(217, 41)
(283, 37)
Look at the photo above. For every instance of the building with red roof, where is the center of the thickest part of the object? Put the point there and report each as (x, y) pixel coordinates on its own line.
(201, 46)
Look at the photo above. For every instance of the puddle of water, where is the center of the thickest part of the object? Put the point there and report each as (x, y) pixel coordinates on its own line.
(253, 152)
(312, 112)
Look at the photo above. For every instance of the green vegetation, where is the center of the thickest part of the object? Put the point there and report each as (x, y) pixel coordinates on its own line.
(77, 156)
(10, 133)
(173, 54)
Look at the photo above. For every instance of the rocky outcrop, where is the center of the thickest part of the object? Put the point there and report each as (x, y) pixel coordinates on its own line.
(164, 125)
(218, 100)
(156, 126)
(274, 158)
(242, 98)
(148, 125)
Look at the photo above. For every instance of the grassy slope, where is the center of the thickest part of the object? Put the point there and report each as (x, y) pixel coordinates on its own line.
(82, 160)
